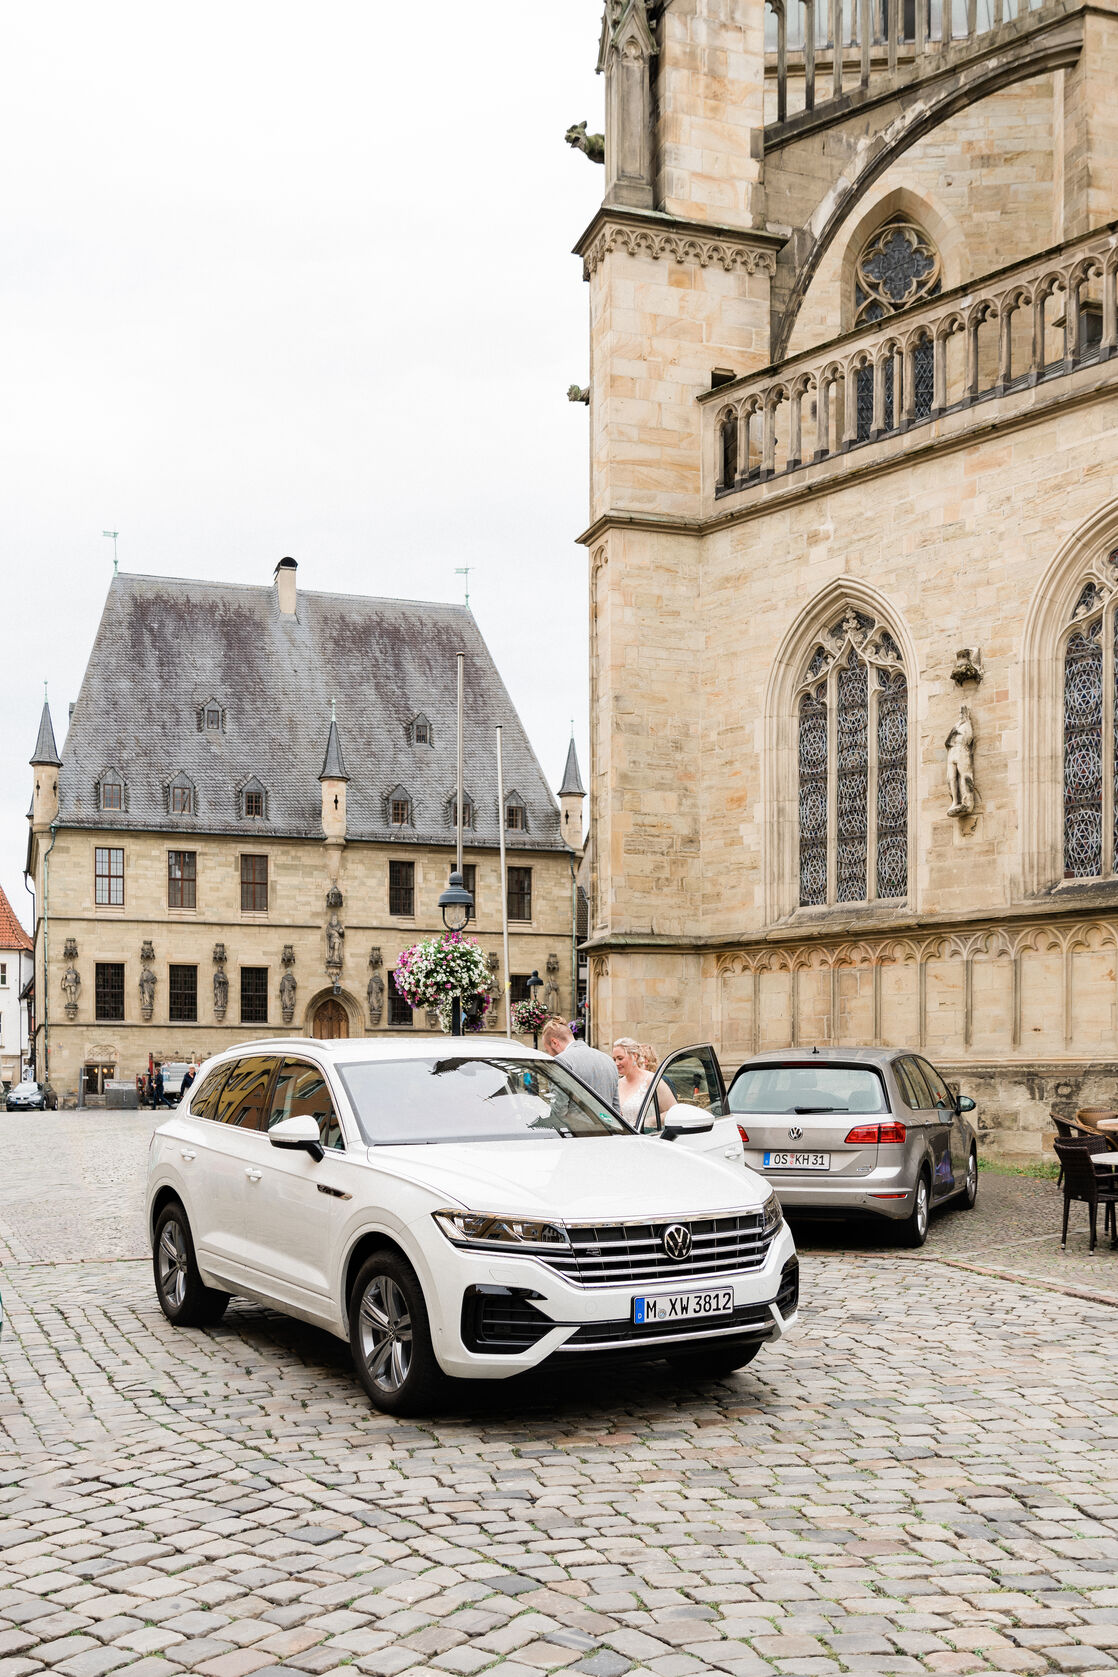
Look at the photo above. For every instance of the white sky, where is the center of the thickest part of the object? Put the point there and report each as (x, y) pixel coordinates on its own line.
(284, 278)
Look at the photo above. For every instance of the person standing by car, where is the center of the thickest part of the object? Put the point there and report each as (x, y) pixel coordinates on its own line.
(634, 1078)
(589, 1065)
(188, 1078)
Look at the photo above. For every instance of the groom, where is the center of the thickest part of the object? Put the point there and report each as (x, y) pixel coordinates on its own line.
(589, 1065)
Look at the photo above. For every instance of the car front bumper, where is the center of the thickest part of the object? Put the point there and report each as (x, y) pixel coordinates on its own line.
(494, 1316)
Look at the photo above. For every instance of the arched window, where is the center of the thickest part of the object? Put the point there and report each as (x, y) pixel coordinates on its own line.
(897, 266)
(852, 713)
(728, 450)
(1090, 655)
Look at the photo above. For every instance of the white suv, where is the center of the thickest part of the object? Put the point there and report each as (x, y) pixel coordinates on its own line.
(462, 1207)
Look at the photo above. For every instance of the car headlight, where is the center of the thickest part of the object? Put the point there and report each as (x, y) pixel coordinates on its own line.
(771, 1215)
(483, 1228)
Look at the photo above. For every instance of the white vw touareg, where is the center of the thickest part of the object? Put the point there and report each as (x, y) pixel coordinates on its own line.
(464, 1207)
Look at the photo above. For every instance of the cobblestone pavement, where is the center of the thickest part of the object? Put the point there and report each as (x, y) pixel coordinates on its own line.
(923, 1478)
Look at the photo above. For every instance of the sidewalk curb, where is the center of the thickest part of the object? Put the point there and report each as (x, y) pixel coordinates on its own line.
(1030, 1281)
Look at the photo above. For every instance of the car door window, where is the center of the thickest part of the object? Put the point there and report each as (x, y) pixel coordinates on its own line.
(694, 1079)
(301, 1091)
(243, 1099)
(941, 1096)
(912, 1094)
(205, 1098)
(921, 1095)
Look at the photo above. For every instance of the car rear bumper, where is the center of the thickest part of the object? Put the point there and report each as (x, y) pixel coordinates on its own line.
(514, 1314)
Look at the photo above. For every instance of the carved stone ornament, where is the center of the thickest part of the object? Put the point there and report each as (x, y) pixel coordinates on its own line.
(968, 665)
(147, 950)
(578, 393)
(221, 984)
(288, 956)
(594, 145)
(287, 989)
(375, 995)
(70, 949)
(335, 940)
(375, 956)
(71, 987)
(960, 765)
(333, 897)
(147, 990)
(432, 1016)
(219, 954)
(692, 248)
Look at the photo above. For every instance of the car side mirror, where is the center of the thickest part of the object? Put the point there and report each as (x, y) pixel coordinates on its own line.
(298, 1135)
(685, 1120)
(965, 1104)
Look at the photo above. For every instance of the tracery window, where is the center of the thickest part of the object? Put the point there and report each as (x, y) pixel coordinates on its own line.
(852, 714)
(898, 266)
(1090, 743)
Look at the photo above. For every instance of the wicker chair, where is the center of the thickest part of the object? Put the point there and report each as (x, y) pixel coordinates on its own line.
(1094, 1187)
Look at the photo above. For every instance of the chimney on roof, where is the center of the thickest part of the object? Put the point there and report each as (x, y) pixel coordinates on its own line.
(285, 586)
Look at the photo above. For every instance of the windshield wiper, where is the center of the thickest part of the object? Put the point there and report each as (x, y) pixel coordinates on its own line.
(798, 1110)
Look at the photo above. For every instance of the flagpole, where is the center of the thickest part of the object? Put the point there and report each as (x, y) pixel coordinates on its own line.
(504, 877)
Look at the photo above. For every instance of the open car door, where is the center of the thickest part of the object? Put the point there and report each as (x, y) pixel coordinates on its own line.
(685, 1105)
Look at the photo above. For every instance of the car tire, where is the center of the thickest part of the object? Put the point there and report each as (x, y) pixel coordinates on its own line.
(913, 1231)
(390, 1338)
(970, 1187)
(183, 1296)
(714, 1363)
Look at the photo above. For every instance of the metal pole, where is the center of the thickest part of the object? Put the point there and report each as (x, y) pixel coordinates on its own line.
(458, 811)
(504, 880)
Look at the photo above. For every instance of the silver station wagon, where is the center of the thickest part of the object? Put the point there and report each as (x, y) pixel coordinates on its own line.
(857, 1130)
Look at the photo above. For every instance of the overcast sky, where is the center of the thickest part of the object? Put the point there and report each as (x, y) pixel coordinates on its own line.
(285, 278)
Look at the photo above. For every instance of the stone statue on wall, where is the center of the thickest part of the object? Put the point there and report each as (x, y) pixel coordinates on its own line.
(551, 994)
(70, 949)
(375, 990)
(147, 989)
(71, 988)
(335, 934)
(493, 962)
(287, 989)
(221, 983)
(968, 665)
(960, 765)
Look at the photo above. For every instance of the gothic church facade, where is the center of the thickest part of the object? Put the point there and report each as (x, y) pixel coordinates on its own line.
(854, 537)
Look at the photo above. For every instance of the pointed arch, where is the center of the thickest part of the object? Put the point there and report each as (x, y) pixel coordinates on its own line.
(808, 658)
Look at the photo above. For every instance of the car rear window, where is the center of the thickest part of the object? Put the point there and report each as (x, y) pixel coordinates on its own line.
(807, 1088)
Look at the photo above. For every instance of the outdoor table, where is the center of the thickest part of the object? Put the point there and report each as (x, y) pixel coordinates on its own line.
(1108, 1158)
(1108, 1124)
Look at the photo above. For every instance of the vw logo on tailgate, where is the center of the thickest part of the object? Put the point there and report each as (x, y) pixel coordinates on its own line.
(795, 1133)
(677, 1241)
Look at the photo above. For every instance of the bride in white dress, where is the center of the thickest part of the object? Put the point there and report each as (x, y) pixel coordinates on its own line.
(633, 1080)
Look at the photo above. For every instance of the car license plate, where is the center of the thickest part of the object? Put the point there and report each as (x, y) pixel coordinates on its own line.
(797, 1161)
(683, 1307)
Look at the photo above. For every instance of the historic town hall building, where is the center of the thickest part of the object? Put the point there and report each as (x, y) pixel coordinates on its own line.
(215, 857)
(854, 535)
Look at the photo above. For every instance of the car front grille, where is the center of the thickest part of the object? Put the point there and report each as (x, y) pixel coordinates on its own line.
(751, 1321)
(611, 1254)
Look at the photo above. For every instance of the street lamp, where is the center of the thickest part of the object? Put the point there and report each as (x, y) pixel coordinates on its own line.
(532, 985)
(457, 905)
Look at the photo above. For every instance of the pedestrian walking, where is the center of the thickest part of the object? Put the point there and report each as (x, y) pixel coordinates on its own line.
(191, 1074)
(634, 1077)
(160, 1098)
(589, 1065)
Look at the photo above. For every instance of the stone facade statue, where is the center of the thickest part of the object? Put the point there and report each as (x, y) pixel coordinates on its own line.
(147, 992)
(287, 988)
(551, 994)
(71, 988)
(335, 934)
(221, 993)
(376, 999)
(960, 765)
(968, 665)
(70, 949)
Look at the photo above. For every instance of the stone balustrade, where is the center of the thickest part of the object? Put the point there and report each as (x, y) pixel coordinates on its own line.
(1016, 329)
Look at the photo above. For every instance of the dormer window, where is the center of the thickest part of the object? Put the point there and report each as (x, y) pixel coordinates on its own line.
(179, 796)
(211, 717)
(516, 816)
(111, 792)
(253, 801)
(398, 807)
(467, 811)
(420, 731)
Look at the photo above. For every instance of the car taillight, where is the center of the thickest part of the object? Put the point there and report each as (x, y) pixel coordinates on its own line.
(744, 1136)
(866, 1134)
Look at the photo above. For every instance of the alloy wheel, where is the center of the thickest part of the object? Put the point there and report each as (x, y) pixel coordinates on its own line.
(386, 1333)
(972, 1178)
(172, 1263)
(922, 1206)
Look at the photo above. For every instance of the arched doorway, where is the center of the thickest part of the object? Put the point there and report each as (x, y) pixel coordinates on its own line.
(330, 1019)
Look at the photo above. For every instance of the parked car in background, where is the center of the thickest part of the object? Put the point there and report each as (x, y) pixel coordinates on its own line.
(30, 1096)
(868, 1130)
(465, 1208)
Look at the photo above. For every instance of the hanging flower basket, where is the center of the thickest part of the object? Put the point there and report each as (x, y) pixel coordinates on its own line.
(430, 974)
(529, 1015)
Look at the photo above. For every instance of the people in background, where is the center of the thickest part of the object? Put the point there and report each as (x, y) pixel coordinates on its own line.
(589, 1065)
(634, 1076)
(191, 1074)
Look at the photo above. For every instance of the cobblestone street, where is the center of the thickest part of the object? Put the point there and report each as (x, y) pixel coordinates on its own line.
(923, 1478)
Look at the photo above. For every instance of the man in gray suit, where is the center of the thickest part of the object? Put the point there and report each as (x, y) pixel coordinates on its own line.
(589, 1065)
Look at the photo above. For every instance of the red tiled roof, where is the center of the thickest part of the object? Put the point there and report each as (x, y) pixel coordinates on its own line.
(12, 934)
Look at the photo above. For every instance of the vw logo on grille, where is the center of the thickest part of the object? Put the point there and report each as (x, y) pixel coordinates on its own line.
(794, 1132)
(677, 1241)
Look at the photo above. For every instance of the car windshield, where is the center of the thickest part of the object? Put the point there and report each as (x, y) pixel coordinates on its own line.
(806, 1089)
(468, 1098)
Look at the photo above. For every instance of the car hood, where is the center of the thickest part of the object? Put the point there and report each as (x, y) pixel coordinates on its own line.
(604, 1178)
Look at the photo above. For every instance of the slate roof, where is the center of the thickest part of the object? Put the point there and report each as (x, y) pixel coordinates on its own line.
(572, 779)
(12, 934)
(45, 749)
(166, 648)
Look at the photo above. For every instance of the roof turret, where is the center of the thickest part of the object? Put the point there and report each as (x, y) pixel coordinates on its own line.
(333, 764)
(45, 749)
(572, 786)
